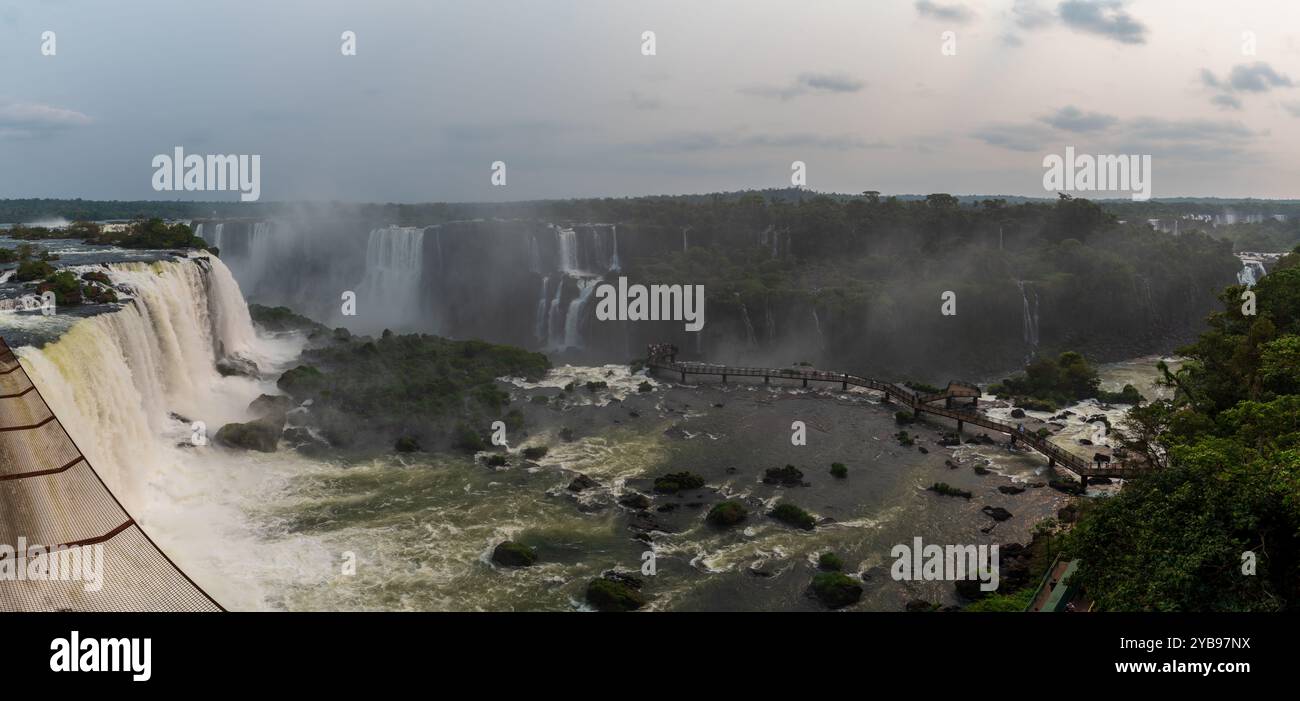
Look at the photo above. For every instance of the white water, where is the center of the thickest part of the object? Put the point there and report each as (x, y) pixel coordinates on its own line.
(568, 242)
(539, 323)
(388, 296)
(115, 379)
(1029, 322)
(615, 264)
(572, 337)
(1251, 273)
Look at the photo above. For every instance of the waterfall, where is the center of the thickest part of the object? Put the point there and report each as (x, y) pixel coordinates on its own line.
(615, 264)
(534, 256)
(1251, 272)
(539, 323)
(770, 322)
(568, 241)
(553, 313)
(388, 295)
(216, 236)
(749, 326)
(198, 231)
(684, 242)
(114, 379)
(572, 337)
(821, 337)
(1029, 321)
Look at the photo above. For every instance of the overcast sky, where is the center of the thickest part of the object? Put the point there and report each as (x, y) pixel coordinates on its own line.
(560, 91)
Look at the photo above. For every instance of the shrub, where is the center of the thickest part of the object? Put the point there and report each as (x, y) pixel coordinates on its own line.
(677, 481)
(794, 516)
(830, 562)
(836, 589)
(948, 490)
(839, 470)
(727, 513)
(535, 452)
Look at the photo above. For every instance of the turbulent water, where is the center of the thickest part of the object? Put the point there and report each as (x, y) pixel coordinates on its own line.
(280, 531)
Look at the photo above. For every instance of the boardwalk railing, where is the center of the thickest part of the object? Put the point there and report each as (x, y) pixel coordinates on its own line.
(53, 506)
(663, 357)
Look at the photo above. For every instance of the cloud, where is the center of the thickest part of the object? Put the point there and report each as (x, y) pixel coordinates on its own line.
(1106, 18)
(1029, 14)
(1292, 107)
(645, 103)
(20, 120)
(1014, 137)
(694, 142)
(956, 12)
(808, 83)
(1189, 130)
(1226, 101)
(1257, 77)
(1071, 118)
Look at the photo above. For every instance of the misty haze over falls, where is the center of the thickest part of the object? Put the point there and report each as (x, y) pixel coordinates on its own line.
(768, 298)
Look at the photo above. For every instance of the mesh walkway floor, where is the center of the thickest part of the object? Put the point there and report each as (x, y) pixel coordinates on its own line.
(50, 496)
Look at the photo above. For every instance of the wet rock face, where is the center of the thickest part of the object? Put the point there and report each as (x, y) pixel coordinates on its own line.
(261, 435)
(511, 554)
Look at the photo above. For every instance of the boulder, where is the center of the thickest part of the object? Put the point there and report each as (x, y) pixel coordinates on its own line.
(615, 592)
(235, 365)
(511, 554)
(997, 513)
(271, 405)
(727, 513)
(635, 500)
(582, 482)
(1010, 489)
(836, 589)
(262, 435)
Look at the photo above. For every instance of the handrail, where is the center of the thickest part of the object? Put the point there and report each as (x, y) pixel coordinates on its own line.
(661, 357)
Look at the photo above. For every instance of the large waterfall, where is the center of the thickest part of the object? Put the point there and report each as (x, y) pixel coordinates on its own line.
(128, 384)
(1029, 322)
(388, 296)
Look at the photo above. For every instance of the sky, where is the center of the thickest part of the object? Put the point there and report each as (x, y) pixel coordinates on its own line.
(862, 92)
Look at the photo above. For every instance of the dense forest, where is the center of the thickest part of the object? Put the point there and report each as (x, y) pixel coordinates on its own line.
(1215, 529)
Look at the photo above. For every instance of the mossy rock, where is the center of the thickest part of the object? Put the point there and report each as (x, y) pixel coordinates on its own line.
(407, 444)
(511, 554)
(838, 470)
(948, 490)
(794, 516)
(614, 592)
(260, 435)
(727, 513)
(678, 481)
(830, 562)
(788, 476)
(535, 452)
(836, 589)
(635, 500)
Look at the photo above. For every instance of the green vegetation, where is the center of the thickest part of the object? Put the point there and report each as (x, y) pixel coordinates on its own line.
(1051, 383)
(678, 481)
(431, 389)
(836, 589)
(1014, 601)
(508, 553)
(615, 593)
(904, 418)
(727, 513)
(839, 470)
(948, 490)
(279, 319)
(1229, 491)
(150, 233)
(792, 515)
(830, 562)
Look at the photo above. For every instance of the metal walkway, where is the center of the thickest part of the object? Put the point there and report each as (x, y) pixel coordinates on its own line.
(663, 357)
(54, 506)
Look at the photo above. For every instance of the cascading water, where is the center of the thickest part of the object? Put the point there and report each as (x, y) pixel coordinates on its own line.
(539, 322)
(568, 245)
(1251, 273)
(750, 339)
(119, 380)
(1029, 321)
(615, 264)
(817, 323)
(572, 336)
(388, 296)
(553, 321)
